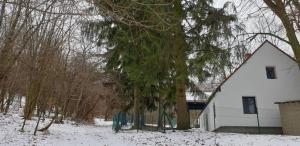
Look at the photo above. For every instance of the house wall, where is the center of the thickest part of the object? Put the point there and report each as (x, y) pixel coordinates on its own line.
(207, 121)
(250, 80)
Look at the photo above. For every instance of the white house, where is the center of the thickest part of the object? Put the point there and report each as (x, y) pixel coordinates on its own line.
(244, 102)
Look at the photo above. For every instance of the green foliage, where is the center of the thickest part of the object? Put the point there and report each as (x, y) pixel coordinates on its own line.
(140, 45)
(207, 29)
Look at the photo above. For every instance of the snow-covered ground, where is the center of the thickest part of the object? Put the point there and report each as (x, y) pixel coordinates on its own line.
(101, 134)
(101, 122)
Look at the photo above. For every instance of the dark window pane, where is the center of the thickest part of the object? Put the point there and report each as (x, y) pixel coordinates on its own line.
(270, 71)
(249, 105)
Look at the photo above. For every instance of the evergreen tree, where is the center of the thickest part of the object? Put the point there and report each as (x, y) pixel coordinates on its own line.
(155, 38)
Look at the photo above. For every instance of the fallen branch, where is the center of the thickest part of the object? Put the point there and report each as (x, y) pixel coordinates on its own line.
(47, 127)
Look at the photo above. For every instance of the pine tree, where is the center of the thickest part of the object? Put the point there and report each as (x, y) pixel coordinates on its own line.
(152, 35)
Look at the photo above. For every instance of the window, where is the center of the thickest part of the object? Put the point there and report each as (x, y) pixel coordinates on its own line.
(249, 105)
(270, 71)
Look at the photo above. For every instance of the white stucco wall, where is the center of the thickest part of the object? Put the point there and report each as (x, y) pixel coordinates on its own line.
(207, 118)
(251, 80)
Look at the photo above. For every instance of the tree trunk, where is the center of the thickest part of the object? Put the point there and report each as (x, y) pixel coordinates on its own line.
(57, 120)
(31, 99)
(37, 124)
(48, 126)
(20, 101)
(136, 108)
(8, 102)
(77, 109)
(181, 48)
(107, 113)
(65, 109)
(142, 114)
(183, 122)
(159, 120)
(2, 97)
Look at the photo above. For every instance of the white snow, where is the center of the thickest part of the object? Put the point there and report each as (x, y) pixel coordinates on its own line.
(101, 134)
(102, 122)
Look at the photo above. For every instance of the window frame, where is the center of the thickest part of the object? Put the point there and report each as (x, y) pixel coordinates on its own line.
(255, 105)
(274, 70)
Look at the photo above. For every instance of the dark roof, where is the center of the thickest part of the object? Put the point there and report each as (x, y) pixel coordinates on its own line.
(291, 101)
(219, 87)
(196, 105)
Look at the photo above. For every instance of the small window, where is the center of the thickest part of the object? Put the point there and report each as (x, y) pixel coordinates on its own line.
(270, 71)
(249, 105)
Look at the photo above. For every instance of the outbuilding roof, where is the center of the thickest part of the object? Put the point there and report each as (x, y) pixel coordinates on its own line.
(291, 101)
